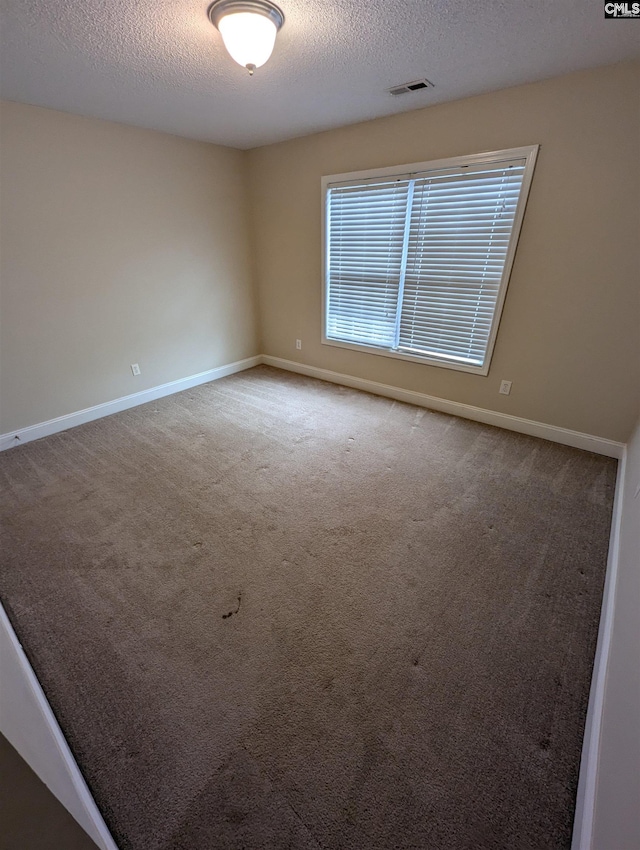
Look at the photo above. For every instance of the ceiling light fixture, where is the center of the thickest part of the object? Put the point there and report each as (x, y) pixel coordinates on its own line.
(248, 29)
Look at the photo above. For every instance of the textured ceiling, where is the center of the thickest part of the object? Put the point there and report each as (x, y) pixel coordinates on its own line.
(162, 64)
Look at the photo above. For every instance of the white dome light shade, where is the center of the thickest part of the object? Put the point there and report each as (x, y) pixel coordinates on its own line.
(248, 29)
(248, 37)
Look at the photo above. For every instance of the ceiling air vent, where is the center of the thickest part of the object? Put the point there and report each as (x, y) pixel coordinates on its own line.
(416, 85)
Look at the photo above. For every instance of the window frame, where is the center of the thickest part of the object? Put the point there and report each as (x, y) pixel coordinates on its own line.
(529, 153)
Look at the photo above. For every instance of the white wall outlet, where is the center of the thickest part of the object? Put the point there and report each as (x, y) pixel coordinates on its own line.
(299, 344)
(135, 368)
(505, 387)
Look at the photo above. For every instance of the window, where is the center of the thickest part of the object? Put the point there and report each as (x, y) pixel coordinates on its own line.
(417, 261)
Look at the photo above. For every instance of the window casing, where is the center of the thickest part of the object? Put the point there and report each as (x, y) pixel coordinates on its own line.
(417, 259)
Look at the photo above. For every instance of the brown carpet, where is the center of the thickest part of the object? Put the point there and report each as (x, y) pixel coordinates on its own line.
(270, 612)
(30, 816)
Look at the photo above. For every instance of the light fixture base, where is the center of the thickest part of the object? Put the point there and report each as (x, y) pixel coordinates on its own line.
(220, 8)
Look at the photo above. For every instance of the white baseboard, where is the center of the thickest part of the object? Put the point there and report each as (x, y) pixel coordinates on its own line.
(599, 445)
(587, 781)
(28, 723)
(62, 423)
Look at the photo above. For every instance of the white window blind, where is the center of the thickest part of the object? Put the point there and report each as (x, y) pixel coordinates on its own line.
(417, 264)
(367, 224)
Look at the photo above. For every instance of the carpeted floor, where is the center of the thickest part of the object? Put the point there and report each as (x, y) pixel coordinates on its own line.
(30, 816)
(270, 612)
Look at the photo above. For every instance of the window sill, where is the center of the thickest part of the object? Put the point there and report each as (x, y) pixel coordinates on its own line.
(412, 358)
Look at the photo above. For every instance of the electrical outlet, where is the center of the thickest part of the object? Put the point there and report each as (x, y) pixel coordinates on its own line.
(505, 387)
(299, 344)
(135, 368)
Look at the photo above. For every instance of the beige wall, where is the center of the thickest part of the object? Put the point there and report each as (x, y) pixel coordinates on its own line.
(617, 811)
(121, 245)
(118, 246)
(569, 337)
